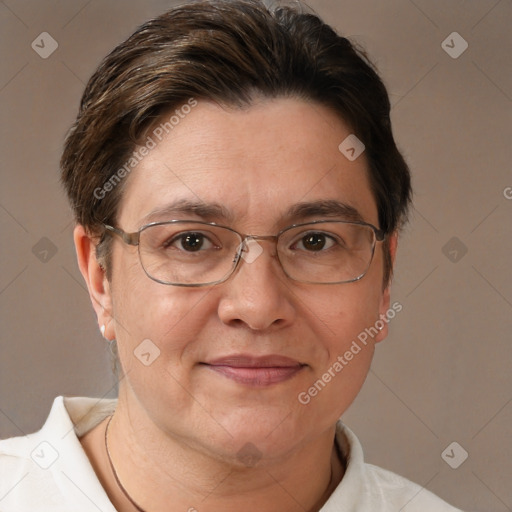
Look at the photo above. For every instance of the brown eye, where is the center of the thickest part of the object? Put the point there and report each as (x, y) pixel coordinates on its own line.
(190, 242)
(314, 242)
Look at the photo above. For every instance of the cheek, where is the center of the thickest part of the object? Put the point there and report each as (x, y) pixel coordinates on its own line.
(341, 312)
(344, 319)
(349, 341)
(172, 320)
(155, 324)
(159, 328)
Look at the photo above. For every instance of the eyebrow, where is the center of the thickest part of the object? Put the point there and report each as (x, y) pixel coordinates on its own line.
(214, 212)
(324, 208)
(207, 211)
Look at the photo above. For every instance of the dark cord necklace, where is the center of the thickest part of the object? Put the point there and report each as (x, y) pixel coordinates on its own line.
(120, 485)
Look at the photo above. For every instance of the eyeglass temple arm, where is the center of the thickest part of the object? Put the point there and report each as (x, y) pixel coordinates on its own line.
(128, 238)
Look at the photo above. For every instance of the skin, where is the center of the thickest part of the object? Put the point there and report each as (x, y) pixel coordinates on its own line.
(178, 427)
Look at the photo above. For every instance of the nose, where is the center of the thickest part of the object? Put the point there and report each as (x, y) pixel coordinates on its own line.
(257, 295)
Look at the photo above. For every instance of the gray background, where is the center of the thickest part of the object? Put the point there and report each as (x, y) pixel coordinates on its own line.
(444, 373)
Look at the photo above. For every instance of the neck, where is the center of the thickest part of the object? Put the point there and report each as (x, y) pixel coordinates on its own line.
(156, 469)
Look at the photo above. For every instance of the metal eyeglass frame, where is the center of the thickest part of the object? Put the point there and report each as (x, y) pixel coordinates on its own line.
(134, 239)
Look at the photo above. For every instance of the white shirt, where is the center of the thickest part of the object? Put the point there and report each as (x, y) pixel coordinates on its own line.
(48, 471)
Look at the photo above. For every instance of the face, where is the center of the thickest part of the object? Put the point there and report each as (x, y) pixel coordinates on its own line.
(258, 164)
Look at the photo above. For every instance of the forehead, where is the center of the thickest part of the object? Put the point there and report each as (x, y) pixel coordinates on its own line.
(256, 166)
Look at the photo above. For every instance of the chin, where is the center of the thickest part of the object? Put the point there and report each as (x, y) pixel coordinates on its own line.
(269, 432)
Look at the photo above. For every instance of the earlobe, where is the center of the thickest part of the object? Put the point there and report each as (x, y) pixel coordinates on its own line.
(95, 278)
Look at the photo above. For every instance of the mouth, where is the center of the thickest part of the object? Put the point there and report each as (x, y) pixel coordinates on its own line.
(256, 371)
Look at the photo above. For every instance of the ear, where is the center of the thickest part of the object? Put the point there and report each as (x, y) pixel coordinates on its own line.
(95, 278)
(385, 300)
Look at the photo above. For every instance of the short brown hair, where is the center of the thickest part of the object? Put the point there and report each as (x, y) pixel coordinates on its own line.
(226, 51)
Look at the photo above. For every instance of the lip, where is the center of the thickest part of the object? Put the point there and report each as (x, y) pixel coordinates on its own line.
(259, 371)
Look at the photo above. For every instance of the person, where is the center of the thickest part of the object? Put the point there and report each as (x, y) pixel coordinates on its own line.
(238, 196)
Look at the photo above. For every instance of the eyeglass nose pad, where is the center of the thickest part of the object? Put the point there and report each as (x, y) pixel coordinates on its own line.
(238, 252)
(249, 250)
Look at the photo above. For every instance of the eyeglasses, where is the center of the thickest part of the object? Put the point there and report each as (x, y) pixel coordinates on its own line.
(192, 253)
